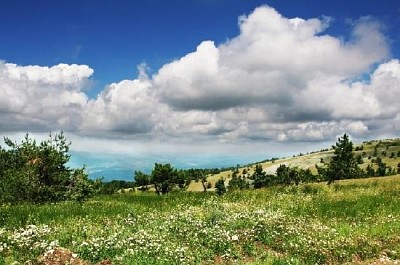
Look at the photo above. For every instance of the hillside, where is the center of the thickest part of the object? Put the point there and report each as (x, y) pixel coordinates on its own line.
(387, 150)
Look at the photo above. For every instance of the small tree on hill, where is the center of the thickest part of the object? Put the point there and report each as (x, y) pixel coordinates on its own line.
(204, 182)
(343, 164)
(259, 177)
(220, 186)
(164, 178)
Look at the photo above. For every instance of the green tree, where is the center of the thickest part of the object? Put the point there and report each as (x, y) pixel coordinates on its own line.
(39, 172)
(259, 177)
(343, 164)
(283, 175)
(164, 178)
(381, 170)
(220, 186)
(237, 182)
(142, 180)
(287, 176)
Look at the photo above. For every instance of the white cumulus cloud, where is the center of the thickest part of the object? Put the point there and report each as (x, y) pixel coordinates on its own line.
(281, 79)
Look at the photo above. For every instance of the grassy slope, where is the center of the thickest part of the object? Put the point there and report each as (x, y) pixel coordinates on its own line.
(310, 160)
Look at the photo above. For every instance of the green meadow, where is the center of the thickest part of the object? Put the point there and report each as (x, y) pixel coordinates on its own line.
(351, 221)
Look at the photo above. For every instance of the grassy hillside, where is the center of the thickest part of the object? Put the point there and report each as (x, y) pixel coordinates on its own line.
(353, 222)
(388, 150)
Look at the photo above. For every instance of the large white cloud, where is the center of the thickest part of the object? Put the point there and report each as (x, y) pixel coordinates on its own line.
(271, 60)
(42, 98)
(280, 79)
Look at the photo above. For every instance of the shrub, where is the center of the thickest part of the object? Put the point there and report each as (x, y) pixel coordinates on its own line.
(38, 173)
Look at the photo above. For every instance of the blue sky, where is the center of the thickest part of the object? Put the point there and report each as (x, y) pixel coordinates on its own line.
(114, 37)
(199, 78)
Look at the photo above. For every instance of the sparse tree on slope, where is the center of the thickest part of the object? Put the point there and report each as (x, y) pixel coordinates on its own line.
(343, 164)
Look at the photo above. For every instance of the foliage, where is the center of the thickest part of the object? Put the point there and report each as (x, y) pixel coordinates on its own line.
(164, 178)
(220, 188)
(111, 187)
(38, 173)
(142, 180)
(238, 182)
(260, 178)
(343, 164)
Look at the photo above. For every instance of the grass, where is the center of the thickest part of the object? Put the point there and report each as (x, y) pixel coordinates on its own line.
(350, 221)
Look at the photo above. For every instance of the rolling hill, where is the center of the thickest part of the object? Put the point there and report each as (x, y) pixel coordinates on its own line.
(388, 150)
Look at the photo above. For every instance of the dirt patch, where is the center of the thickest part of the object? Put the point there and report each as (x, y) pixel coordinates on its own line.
(62, 256)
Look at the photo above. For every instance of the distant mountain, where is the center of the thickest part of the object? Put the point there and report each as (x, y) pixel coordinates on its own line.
(122, 166)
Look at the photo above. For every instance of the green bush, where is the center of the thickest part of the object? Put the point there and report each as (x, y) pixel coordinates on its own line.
(38, 173)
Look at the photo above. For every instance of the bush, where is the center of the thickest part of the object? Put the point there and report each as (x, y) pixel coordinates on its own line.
(38, 173)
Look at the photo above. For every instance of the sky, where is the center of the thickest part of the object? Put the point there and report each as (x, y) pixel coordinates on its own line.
(198, 83)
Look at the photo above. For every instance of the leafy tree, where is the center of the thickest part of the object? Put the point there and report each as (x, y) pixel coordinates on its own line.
(164, 178)
(182, 179)
(142, 180)
(220, 186)
(343, 164)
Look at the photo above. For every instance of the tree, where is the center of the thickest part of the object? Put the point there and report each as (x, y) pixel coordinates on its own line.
(164, 178)
(283, 175)
(343, 164)
(220, 186)
(259, 177)
(286, 175)
(204, 182)
(182, 179)
(39, 172)
(142, 180)
(237, 182)
(381, 170)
